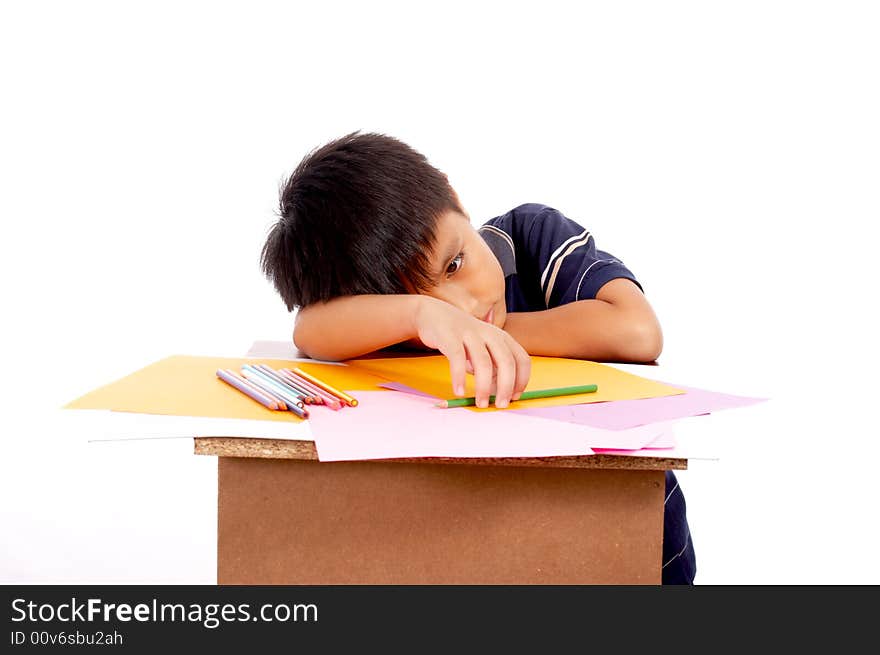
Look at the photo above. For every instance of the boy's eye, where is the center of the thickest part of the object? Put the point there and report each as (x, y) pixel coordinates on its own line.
(455, 264)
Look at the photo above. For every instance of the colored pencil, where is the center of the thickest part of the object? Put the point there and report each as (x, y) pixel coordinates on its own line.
(344, 397)
(246, 389)
(252, 380)
(526, 395)
(293, 403)
(320, 396)
(302, 412)
(297, 382)
(330, 400)
(272, 387)
(278, 401)
(280, 385)
(308, 397)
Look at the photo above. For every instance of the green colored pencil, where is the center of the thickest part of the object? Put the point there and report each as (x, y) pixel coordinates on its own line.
(526, 395)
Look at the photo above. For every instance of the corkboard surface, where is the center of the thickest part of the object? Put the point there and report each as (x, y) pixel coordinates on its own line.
(305, 450)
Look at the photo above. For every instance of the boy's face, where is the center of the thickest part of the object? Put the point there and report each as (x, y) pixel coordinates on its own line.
(466, 272)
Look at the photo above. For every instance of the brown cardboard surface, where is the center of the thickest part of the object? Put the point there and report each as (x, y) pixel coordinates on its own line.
(289, 521)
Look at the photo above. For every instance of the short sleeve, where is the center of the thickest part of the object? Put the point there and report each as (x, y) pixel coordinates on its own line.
(559, 255)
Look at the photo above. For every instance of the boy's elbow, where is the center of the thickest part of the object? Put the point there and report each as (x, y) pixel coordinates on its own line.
(646, 344)
(314, 350)
(301, 342)
(640, 342)
(304, 338)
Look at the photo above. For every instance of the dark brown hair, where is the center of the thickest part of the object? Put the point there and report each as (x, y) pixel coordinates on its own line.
(357, 216)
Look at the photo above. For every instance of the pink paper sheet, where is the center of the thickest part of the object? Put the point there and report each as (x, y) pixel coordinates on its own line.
(663, 446)
(664, 440)
(625, 414)
(642, 452)
(386, 424)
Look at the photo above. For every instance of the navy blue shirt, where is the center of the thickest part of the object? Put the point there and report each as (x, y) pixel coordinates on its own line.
(550, 260)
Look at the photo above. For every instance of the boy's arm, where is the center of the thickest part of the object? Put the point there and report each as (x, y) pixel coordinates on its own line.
(350, 326)
(618, 325)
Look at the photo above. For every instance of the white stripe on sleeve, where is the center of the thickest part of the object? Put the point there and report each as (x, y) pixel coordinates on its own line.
(557, 251)
(558, 264)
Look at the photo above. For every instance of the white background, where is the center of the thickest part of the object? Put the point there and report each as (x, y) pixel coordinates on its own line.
(726, 152)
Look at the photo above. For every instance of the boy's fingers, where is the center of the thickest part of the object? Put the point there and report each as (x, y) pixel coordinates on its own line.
(523, 370)
(505, 367)
(456, 356)
(483, 366)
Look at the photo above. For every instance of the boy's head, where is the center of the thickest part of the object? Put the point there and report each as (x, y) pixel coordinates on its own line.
(357, 216)
(367, 214)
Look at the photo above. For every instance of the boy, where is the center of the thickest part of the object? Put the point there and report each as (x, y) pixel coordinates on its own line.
(374, 248)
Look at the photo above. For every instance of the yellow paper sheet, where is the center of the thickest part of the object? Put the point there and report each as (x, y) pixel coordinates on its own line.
(184, 385)
(430, 374)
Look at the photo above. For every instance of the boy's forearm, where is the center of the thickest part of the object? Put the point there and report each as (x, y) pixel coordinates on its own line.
(350, 326)
(588, 329)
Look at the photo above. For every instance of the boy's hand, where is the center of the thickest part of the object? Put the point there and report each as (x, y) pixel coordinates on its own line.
(469, 343)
